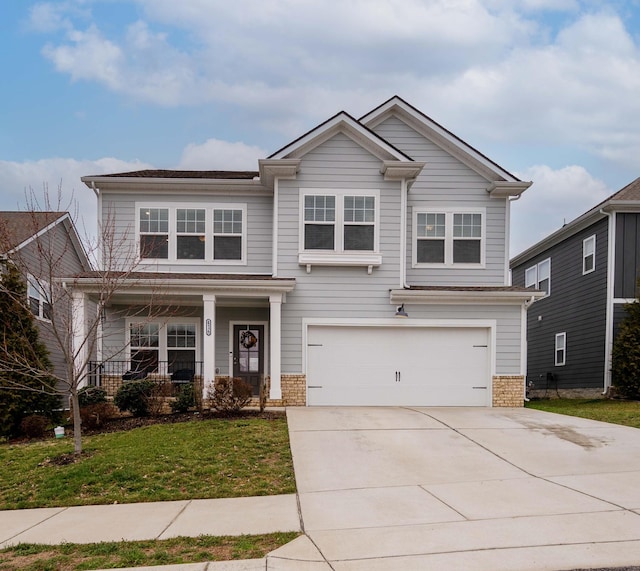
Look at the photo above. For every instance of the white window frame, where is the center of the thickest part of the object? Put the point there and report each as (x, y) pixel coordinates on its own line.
(533, 273)
(163, 323)
(172, 257)
(338, 255)
(448, 238)
(560, 355)
(588, 251)
(39, 290)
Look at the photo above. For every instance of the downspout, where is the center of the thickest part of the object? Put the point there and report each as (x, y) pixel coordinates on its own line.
(274, 239)
(404, 189)
(524, 342)
(608, 347)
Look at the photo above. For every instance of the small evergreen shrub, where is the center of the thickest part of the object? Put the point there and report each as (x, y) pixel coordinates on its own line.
(625, 363)
(34, 425)
(185, 398)
(91, 395)
(134, 397)
(229, 395)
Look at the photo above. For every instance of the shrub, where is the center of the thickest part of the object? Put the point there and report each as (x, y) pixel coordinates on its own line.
(91, 395)
(95, 415)
(625, 365)
(229, 395)
(134, 397)
(34, 425)
(185, 399)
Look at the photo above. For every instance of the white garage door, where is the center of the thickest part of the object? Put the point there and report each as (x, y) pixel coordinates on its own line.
(415, 366)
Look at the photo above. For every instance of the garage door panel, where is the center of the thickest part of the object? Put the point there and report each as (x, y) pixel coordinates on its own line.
(397, 366)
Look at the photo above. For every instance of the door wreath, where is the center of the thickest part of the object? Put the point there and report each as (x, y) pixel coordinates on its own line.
(248, 339)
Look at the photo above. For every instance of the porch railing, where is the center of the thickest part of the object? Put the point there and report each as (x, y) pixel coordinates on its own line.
(174, 371)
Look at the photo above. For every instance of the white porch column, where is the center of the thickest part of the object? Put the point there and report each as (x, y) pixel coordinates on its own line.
(208, 342)
(79, 335)
(275, 333)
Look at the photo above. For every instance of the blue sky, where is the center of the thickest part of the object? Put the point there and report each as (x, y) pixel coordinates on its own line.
(549, 89)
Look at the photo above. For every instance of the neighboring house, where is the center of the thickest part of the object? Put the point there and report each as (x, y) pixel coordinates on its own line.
(45, 246)
(298, 274)
(588, 270)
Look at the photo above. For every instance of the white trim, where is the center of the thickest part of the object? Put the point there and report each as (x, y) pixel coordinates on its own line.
(624, 300)
(275, 351)
(507, 240)
(537, 281)
(79, 336)
(448, 238)
(276, 221)
(172, 233)
(209, 335)
(591, 238)
(524, 347)
(403, 233)
(611, 265)
(42, 293)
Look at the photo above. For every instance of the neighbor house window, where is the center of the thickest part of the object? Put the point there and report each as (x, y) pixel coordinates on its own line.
(154, 233)
(449, 238)
(539, 276)
(39, 294)
(561, 349)
(190, 233)
(589, 255)
(342, 222)
(227, 234)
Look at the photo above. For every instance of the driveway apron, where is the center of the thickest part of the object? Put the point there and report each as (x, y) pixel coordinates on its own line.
(463, 488)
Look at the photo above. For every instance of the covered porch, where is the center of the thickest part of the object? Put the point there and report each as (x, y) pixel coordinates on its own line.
(177, 328)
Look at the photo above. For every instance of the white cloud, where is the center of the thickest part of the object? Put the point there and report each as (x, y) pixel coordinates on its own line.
(555, 198)
(41, 180)
(215, 154)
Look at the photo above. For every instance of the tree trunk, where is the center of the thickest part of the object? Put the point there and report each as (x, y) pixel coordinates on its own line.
(77, 423)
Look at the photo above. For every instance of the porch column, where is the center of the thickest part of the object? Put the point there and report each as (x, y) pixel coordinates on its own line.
(79, 336)
(275, 332)
(208, 342)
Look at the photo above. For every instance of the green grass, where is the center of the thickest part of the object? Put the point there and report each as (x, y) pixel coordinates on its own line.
(76, 557)
(606, 410)
(217, 458)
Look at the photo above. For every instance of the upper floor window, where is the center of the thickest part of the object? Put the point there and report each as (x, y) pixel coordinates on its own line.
(39, 294)
(340, 222)
(448, 238)
(174, 233)
(561, 349)
(539, 276)
(589, 254)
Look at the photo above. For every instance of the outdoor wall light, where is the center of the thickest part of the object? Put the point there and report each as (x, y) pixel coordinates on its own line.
(400, 312)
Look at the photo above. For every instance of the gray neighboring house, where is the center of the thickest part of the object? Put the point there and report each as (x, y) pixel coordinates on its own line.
(589, 270)
(30, 240)
(364, 263)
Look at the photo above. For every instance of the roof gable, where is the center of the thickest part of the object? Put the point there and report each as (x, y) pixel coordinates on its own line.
(439, 135)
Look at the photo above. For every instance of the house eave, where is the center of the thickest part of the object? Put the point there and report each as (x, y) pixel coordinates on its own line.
(172, 185)
(464, 296)
(395, 170)
(507, 189)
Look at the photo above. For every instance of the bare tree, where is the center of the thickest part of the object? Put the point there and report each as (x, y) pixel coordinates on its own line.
(57, 263)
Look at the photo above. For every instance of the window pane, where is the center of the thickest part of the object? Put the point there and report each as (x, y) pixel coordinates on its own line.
(359, 208)
(227, 248)
(154, 246)
(531, 277)
(154, 220)
(46, 310)
(544, 270)
(431, 225)
(544, 286)
(181, 359)
(181, 335)
(589, 263)
(466, 251)
(34, 305)
(319, 237)
(190, 220)
(144, 335)
(227, 221)
(358, 237)
(467, 225)
(319, 208)
(190, 247)
(430, 252)
(144, 361)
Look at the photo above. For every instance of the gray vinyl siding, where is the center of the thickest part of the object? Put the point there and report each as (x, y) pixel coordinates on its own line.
(446, 182)
(577, 307)
(627, 257)
(259, 228)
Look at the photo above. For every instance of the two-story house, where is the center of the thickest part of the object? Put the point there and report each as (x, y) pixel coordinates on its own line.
(45, 246)
(364, 263)
(589, 270)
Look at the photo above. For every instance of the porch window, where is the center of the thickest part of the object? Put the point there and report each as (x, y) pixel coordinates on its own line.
(227, 234)
(145, 345)
(154, 233)
(181, 346)
(190, 230)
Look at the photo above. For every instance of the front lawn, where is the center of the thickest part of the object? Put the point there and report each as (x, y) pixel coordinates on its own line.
(214, 458)
(606, 410)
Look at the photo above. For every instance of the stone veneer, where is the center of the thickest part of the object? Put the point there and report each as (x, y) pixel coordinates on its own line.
(508, 390)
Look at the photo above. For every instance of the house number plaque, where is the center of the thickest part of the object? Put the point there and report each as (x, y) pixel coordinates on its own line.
(208, 327)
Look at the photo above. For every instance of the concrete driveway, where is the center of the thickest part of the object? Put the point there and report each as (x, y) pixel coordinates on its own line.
(462, 489)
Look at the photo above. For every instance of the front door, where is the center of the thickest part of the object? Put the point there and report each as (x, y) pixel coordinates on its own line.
(248, 354)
